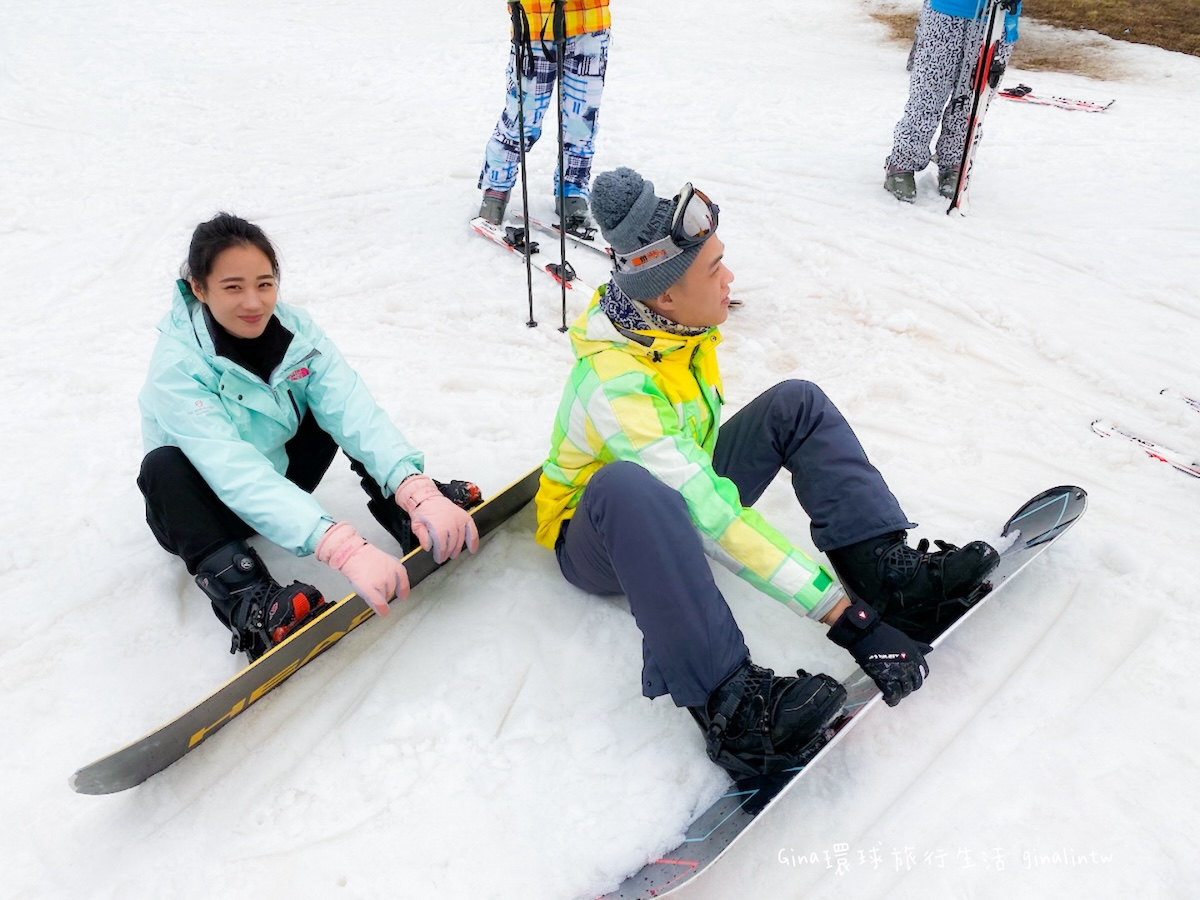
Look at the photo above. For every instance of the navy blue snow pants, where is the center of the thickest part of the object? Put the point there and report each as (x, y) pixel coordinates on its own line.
(631, 534)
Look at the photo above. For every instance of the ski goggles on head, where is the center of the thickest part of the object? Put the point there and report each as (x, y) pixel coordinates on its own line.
(692, 223)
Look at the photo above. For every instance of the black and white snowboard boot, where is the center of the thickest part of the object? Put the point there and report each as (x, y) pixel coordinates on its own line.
(919, 592)
(258, 611)
(757, 723)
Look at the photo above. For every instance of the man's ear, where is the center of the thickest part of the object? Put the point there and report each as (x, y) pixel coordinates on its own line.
(662, 303)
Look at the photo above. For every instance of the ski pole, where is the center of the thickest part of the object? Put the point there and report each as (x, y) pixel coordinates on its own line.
(522, 50)
(560, 49)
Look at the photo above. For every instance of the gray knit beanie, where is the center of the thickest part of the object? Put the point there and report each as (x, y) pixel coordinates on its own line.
(630, 216)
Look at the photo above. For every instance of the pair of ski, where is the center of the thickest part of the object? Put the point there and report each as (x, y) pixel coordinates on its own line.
(514, 237)
(518, 240)
(1174, 458)
(588, 237)
(984, 83)
(1031, 530)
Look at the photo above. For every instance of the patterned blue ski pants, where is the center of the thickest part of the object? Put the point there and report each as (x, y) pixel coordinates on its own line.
(939, 90)
(584, 65)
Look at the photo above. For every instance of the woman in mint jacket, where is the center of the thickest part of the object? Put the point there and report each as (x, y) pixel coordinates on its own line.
(244, 407)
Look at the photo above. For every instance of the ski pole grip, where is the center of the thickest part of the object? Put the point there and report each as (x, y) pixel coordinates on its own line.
(559, 26)
(516, 12)
(520, 23)
(522, 41)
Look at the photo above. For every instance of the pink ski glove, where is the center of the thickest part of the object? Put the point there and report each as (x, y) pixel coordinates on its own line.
(438, 524)
(376, 576)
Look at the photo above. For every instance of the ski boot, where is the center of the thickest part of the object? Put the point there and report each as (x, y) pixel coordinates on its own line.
(919, 592)
(395, 520)
(251, 603)
(464, 494)
(947, 182)
(575, 217)
(901, 185)
(758, 723)
(493, 206)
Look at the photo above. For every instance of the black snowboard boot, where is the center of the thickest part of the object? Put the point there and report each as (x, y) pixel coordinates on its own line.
(919, 592)
(251, 603)
(461, 493)
(757, 723)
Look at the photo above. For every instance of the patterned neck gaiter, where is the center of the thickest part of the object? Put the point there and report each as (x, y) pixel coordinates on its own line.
(624, 311)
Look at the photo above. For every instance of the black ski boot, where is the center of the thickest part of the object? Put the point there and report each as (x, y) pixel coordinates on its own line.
(919, 592)
(575, 217)
(465, 494)
(251, 603)
(757, 723)
(493, 205)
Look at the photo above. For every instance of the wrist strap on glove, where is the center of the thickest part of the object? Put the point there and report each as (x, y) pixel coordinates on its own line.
(858, 621)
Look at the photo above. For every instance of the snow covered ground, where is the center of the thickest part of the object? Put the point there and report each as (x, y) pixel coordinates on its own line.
(492, 742)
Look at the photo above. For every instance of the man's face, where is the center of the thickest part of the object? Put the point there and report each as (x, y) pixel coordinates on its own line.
(699, 299)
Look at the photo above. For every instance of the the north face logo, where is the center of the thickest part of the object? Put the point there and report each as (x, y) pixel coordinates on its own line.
(301, 372)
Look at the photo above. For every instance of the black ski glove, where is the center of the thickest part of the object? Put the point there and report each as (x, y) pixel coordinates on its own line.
(892, 659)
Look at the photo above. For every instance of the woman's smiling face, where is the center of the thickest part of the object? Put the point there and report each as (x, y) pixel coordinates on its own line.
(241, 291)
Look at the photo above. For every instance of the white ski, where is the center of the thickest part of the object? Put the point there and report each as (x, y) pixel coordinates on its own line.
(1023, 93)
(497, 235)
(1182, 398)
(594, 242)
(1173, 458)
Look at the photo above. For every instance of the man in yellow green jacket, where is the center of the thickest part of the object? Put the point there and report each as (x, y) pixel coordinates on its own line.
(640, 486)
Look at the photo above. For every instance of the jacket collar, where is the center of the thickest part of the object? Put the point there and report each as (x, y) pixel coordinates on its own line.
(594, 332)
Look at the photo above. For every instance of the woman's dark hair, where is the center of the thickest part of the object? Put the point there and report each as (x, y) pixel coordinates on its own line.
(217, 235)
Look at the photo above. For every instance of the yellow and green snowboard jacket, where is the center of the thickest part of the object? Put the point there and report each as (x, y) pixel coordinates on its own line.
(654, 399)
